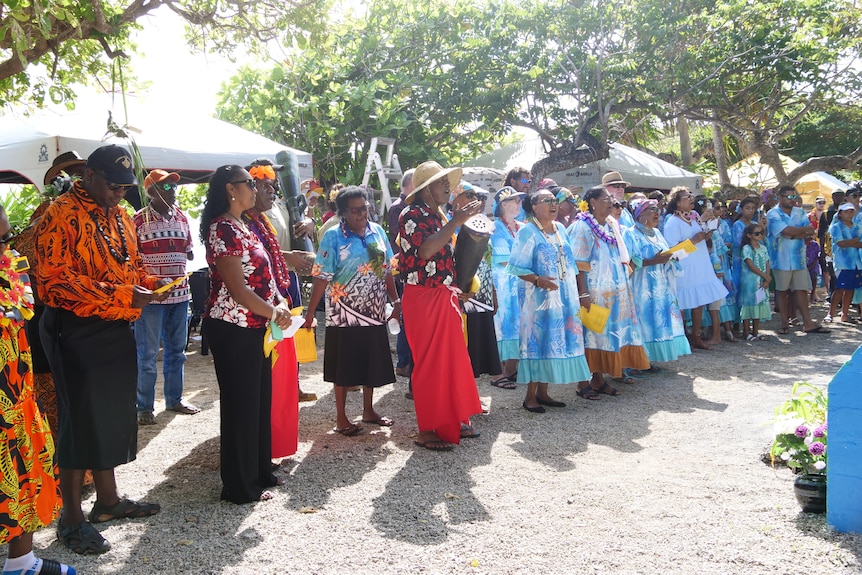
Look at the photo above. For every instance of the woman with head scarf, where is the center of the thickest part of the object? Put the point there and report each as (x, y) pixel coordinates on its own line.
(654, 287)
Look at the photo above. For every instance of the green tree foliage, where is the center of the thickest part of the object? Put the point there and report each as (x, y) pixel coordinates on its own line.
(824, 133)
(46, 45)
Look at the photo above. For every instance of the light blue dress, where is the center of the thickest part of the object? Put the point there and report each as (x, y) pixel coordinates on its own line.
(736, 264)
(510, 292)
(551, 334)
(750, 282)
(721, 262)
(608, 284)
(654, 289)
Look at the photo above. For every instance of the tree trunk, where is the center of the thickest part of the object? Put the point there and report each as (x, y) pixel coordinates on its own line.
(720, 155)
(684, 141)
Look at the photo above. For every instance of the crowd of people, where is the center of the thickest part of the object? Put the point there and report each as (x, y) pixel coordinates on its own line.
(569, 290)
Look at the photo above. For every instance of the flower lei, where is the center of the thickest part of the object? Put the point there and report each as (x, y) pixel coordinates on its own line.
(596, 228)
(16, 295)
(262, 228)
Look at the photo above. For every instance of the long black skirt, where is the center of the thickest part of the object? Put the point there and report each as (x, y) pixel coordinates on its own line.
(357, 356)
(95, 368)
(482, 344)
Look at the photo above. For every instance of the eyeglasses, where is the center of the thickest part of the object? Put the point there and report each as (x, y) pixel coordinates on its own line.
(249, 182)
(757, 233)
(359, 211)
(112, 186)
(526, 181)
(548, 201)
(790, 196)
(618, 205)
(167, 186)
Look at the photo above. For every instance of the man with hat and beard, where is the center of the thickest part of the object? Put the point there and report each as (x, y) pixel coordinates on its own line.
(616, 187)
(94, 284)
(444, 390)
(165, 243)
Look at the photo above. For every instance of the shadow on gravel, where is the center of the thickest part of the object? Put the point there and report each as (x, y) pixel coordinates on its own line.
(187, 525)
(814, 525)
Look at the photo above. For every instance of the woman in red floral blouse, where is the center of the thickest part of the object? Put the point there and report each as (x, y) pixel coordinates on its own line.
(444, 391)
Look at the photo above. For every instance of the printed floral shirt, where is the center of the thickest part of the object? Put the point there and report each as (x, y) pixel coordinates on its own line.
(418, 223)
(226, 239)
(356, 269)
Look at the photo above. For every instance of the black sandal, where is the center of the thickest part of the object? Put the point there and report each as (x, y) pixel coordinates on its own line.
(83, 539)
(124, 509)
(608, 390)
(588, 393)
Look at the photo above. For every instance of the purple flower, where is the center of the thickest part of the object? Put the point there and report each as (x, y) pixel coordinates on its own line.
(816, 448)
(820, 431)
(801, 431)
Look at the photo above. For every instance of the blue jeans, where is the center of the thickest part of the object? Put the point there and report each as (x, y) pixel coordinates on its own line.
(165, 324)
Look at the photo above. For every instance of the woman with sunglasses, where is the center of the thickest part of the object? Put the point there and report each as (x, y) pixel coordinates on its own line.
(243, 300)
(601, 252)
(551, 334)
(698, 286)
(654, 287)
(352, 271)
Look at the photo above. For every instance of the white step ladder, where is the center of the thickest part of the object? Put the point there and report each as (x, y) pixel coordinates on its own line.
(385, 171)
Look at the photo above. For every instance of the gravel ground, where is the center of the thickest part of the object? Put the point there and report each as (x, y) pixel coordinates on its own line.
(666, 478)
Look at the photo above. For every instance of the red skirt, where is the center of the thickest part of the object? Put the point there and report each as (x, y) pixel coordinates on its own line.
(444, 390)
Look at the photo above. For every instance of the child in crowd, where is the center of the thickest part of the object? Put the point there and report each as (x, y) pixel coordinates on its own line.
(754, 283)
(846, 255)
(812, 260)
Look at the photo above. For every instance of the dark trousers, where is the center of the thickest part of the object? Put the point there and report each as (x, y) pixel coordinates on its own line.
(245, 383)
(402, 348)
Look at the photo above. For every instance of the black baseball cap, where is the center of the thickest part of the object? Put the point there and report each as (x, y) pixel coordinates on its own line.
(115, 163)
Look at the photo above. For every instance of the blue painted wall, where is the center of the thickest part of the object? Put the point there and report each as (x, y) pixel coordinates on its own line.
(844, 471)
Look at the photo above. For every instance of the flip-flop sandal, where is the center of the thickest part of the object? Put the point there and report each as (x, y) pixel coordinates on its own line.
(818, 329)
(468, 432)
(783, 330)
(751, 337)
(435, 445)
(349, 431)
(588, 393)
(655, 369)
(608, 390)
(627, 379)
(632, 372)
(381, 421)
(504, 383)
(124, 509)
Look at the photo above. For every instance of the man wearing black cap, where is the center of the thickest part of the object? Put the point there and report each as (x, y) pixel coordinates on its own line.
(94, 285)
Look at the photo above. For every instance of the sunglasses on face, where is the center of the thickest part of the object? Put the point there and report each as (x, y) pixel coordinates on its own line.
(791, 196)
(525, 181)
(548, 201)
(167, 186)
(623, 186)
(359, 211)
(474, 196)
(112, 186)
(249, 182)
(6, 238)
(757, 233)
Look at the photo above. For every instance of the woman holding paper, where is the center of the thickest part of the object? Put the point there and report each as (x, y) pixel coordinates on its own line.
(698, 286)
(551, 334)
(352, 270)
(654, 287)
(600, 250)
(243, 300)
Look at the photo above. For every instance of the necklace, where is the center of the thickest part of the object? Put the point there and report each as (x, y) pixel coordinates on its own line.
(241, 223)
(684, 216)
(123, 256)
(596, 228)
(511, 231)
(557, 245)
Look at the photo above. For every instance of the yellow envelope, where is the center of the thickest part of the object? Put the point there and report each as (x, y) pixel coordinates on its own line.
(173, 284)
(306, 348)
(684, 245)
(596, 319)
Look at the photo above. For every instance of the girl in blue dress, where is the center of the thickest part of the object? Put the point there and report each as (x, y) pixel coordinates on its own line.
(754, 308)
(846, 231)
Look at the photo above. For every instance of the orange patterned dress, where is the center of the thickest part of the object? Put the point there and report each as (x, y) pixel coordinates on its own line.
(29, 489)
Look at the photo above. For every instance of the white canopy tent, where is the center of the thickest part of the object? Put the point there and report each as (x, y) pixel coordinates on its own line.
(191, 146)
(641, 169)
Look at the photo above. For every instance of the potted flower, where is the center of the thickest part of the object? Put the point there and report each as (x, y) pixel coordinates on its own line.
(800, 429)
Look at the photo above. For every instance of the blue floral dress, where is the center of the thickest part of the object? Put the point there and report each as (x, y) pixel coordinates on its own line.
(654, 289)
(621, 344)
(510, 292)
(551, 335)
(750, 282)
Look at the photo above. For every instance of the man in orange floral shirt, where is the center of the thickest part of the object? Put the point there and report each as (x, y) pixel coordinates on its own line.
(93, 284)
